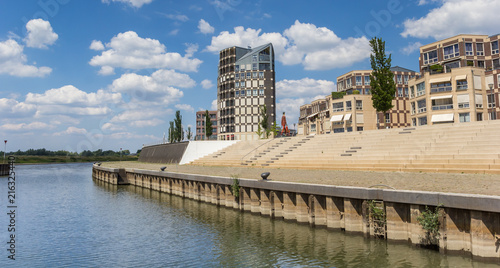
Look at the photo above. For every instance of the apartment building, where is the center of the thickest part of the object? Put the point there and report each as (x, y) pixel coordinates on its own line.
(459, 81)
(246, 81)
(354, 111)
(200, 125)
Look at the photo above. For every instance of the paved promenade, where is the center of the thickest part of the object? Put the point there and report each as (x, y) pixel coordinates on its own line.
(434, 182)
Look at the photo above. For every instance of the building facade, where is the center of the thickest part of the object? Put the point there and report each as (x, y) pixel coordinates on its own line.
(459, 81)
(246, 81)
(200, 125)
(354, 111)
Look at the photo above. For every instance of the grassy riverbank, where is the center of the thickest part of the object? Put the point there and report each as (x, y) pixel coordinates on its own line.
(37, 159)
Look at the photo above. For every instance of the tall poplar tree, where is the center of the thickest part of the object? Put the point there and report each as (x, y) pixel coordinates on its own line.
(208, 125)
(383, 87)
(171, 135)
(263, 120)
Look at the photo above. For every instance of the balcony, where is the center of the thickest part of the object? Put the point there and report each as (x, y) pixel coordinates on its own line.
(441, 89)
(462, 87)
(442, 107)
(337, 110)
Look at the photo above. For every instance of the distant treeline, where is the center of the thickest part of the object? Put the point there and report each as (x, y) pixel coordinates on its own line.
(86, 153)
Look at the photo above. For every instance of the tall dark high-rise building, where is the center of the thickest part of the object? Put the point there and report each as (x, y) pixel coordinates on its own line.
(246, 82)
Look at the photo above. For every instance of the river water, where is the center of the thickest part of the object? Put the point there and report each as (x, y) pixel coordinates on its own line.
(65, 219)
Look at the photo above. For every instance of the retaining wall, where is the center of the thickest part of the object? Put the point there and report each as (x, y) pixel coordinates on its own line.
(469, 224)
(163, 153)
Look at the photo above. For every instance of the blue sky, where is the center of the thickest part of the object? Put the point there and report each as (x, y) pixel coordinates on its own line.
(110, 74)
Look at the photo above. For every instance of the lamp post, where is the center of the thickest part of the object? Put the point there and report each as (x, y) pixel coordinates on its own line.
(490, 85)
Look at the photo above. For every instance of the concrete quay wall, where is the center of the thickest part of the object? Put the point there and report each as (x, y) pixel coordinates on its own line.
(469, 224)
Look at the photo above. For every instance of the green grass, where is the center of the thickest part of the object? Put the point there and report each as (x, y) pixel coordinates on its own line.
(35, 159)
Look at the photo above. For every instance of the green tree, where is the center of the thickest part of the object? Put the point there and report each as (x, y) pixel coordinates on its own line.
(189, 134)
(208, 125)
(274, 129)
(382, 84)
(263, 120)
(171, 132)
(178, 131)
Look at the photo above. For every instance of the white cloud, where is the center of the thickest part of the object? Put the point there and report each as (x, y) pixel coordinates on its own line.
(96, 45)
(147, 123)
(128, 50)
(133, 3)
(206, 84)
(112, 127)
(70, 100)
(185, 107)
(40, 34)
(71, 131)
(455, 17)
(305, 87)
(411, 48)
(425, 2)
(191, 49)
(106, 70)
(316, 48)
(205, 27)
(12, 61)
(178, 17)
(213, 107)
(173, 78)
(26, 127)
(291, 108)
(12, 108)
(174, 32)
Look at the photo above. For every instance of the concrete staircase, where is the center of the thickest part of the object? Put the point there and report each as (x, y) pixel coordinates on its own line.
(463, 147)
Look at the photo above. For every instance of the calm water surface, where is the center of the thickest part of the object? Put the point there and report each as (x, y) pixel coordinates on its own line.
(65, 219)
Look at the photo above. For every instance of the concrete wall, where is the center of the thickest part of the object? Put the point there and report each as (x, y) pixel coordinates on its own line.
(199, 149)
(163, 153)
(469, 224)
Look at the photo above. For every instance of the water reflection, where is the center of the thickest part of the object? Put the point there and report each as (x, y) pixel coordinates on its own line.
(242, 239)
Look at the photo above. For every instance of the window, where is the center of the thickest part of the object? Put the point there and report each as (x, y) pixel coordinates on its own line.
(358, 81)
(242, 68)
(254, 75)
(400, 79)
(480, 63)
(421, 106)
(249, 93)
(359, 105)
(400, 92)
(479, 49)
(313, 127)
(494, 47)
(349, 129)
(261, 92)
(367, 80)
(338, 130)
(406, 79)
(498, 80)
(242, 93)
(406, 92)
(479, 117)
(462, 85)
(451, 65)
(430, 57)
(463, 101)
(254, 66)
(237, 68)
(492, 115)
(338, 107)
(242, 84)
(421, 89)
(261, 74)
(261, 83)
(422, 121)
(414, 122)
(348, 106)
(412, 92)
(255, 92)
(249, 75)
(387, 118)
(237, 76)
(237, 93)
(440, 87)
(491, 101)
(468, 49)
(254, 57)
(442, 104)
(496, 64)
(348, 81)
(464, 117)
(359, 128)
(237, 84)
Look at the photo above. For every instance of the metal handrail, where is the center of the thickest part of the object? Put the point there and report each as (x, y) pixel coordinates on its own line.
(241, 159)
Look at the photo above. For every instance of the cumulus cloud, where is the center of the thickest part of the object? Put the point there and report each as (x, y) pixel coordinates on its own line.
(213, 107)
(71, 100)
(40, 34)
(128, 50)
(145, 117)
(206, 84)
(191, 49)
(411, 48)
(71, 131)
(316, 48)
(96, 45)
(291, 108)
(305, 87)
(106, 70)
(133, 3)
(454, 17)
(12, 108)
(185, 107)
(205, 27)
(26, 127)
(13, 59)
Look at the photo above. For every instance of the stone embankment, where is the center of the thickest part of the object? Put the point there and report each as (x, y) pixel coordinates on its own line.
(469, 224)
